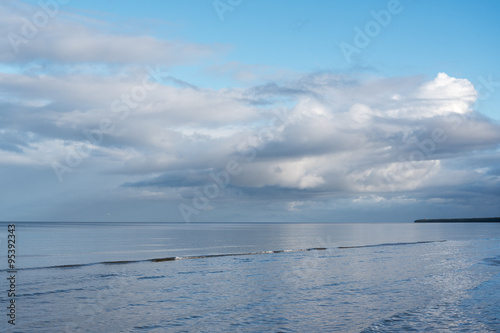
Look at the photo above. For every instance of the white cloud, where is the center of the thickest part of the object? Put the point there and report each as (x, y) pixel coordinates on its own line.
(321, 144)
(294, 205)
(447, 94)
(69, 38)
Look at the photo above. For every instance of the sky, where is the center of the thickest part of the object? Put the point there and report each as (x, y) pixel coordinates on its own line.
(239, 110)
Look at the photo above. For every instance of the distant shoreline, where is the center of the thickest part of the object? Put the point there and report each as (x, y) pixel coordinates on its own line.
(461, 220)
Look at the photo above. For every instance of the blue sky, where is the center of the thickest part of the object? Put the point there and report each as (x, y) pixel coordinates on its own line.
(249, 110)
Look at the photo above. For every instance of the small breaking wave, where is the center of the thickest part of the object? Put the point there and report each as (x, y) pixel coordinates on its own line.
(164, 259)
(389, 244)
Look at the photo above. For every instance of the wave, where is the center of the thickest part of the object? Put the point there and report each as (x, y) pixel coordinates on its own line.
(123, 262)
(389, 244)
(495, 261)
(156, 260)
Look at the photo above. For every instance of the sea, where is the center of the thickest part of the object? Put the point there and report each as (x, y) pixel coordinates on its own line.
(250, 277)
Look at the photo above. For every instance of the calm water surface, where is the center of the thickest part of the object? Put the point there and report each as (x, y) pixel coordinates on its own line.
(87, 277)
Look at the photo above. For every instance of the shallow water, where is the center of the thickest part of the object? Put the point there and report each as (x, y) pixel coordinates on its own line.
(361, 282)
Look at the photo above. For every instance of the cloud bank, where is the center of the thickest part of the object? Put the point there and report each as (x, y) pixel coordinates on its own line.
(116, 126)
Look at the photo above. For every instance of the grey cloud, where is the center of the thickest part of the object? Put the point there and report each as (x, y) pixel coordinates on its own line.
(12, 141)
(178, 178)
(68, 40)
(336, 139)
(275, 89)
(320, 149)
(334, 135)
